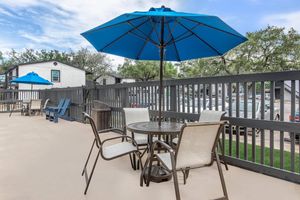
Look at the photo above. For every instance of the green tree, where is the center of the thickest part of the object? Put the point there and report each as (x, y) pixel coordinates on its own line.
(94, 62)
(146, 70)
(267, 50)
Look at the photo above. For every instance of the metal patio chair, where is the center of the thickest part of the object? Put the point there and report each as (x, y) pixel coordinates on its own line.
(35, 106)
(207, 116)
(133, 115)
(214, 116)
(196, 149)
(108, 152)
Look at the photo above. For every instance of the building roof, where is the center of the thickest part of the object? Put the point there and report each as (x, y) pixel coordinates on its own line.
(37, 62)
(114, 74)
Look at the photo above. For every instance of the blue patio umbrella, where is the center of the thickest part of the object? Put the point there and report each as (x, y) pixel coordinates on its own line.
(33, 79)
(165, 35)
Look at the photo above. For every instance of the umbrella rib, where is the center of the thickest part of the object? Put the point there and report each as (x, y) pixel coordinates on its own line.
(118, 38)
(137, 35)
(142, 49)
(153, 26)
(172, 38)
(210, 46)
(171, 31)
(180, 37)
(100, 28)
(218, 29)
(146, 36)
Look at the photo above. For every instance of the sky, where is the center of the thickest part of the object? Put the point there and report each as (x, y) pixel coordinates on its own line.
(57, 24)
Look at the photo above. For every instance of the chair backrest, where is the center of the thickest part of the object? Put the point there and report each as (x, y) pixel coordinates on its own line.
(45, 104)
(211, 116)
(35, 104)
(196, 144)
(26, 100)
(64, 107)
(133, 115)
(60, 104)
(95, 131)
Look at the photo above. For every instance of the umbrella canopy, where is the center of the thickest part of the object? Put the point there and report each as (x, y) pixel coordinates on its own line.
(186, 36)
(32, 78)
(165, 35)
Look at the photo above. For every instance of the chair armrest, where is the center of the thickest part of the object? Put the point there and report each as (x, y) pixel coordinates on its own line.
(168, 148)
(111, 129)
(123, 136)
(165, 145)
(202, 123)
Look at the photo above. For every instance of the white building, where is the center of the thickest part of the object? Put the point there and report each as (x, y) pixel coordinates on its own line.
(112, 78)
(60, 74)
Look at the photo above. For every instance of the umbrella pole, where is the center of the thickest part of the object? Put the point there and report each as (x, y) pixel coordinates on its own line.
(31, 92)
(161, 90)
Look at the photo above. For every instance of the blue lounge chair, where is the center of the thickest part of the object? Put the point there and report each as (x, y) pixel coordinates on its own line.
(57, 108)
(54, 115)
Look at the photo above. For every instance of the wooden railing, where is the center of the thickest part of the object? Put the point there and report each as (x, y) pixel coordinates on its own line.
(262, 110)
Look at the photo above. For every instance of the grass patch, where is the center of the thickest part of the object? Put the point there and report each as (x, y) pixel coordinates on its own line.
(276, 155)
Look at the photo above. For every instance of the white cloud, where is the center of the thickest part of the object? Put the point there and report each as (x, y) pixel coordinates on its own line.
(5, 12)
(288, 20)
(68, 18)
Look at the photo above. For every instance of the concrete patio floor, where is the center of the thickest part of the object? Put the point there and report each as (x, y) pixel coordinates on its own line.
(40, 160)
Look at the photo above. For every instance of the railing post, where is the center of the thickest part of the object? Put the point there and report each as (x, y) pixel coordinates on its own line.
(173, 100)
(125, 97)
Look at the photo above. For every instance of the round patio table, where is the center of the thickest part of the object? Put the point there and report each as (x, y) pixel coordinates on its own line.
(169, 129)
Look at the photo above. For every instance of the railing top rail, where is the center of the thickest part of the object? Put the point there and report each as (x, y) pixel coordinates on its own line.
(255, 77)
(14, 90)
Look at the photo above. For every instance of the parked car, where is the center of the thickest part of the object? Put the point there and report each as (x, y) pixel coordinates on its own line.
(257, 110)
(249, 112)
(201, 104)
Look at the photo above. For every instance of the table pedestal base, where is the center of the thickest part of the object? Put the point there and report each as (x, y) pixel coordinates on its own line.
(158, 174)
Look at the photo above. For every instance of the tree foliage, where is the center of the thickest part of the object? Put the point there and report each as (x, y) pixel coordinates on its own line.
(146, 70)
(267, 50)
(96, 63)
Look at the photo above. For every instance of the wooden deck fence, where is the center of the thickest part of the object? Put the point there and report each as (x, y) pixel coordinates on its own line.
(261, 108)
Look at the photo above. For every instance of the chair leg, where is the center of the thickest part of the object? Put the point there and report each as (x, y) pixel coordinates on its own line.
(55, 117)
(221, 175)
(222, 150)
(91, 174)
(137, 162)
(142, 177)
(140, 160)
(185, 173)
(149, 172)
(88, 158)
(176, 186)
(131, 161)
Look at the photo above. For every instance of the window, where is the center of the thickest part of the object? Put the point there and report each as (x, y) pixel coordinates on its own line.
(55, 76)
(104, 81)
